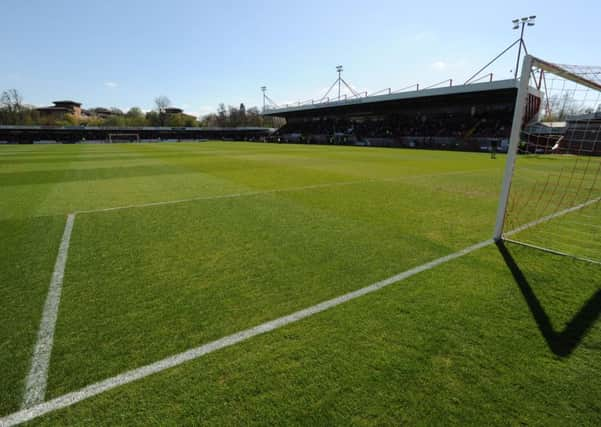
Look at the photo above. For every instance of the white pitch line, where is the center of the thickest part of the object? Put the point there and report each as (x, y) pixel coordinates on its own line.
(69, 399)
(553, 216)
(277, 190)
(553, 251)
(35, 387)
(223, 196)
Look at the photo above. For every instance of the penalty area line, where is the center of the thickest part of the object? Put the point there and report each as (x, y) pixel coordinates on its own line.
(35, 386)
(87, 392)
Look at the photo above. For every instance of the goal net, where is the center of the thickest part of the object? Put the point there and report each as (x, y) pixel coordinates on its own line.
(551, 195)
(123, 137)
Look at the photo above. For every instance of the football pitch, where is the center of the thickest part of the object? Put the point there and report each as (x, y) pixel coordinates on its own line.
(225, 283)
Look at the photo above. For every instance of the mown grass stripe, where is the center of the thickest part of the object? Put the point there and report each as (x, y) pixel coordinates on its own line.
(276, 190)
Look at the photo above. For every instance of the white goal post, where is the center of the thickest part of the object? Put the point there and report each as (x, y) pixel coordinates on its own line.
(123, 137)
(551, 188)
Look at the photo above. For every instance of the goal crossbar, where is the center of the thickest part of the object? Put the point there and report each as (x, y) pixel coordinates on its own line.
(547, 66)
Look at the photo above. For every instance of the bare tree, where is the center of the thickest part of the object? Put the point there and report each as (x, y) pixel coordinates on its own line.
(222, 117)
(232, 117)
(563, 106)
(11, 100)
(162, 103)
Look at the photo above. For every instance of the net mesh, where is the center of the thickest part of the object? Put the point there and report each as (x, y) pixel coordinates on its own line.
(123, 137)
(555, 195)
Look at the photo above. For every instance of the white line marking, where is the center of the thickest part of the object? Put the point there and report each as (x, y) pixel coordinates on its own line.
(69, 399)
(553, 251)
(277, 190)
(553, 216)
(35, 387)
(548, 218)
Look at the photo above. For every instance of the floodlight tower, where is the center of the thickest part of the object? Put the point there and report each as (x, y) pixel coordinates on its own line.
(526, 21)
(263, 89)
(339, 69)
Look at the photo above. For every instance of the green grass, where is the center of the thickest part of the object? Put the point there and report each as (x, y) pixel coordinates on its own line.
(544, 185)
(502, 336)
(456, 345)
(27, 254)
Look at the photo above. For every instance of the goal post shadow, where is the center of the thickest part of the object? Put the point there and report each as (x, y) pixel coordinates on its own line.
(561, 343)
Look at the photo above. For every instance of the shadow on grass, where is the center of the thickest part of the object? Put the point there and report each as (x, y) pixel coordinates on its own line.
(561, 343)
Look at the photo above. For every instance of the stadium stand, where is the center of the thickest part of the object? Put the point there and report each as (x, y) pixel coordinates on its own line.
(466, 117)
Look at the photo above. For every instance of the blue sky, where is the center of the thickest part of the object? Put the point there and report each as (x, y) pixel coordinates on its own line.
(125, 53)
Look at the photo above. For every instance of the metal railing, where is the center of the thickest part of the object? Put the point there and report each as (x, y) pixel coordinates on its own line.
(364, 94)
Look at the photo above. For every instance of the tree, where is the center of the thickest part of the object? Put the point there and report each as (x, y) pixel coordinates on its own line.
(564, 106)
(114, 121)
(135, 112)
(94, 121)
(209, 120)
(30, 116)
(253, 117)
(11, 100)
(233, 116)
(175, 120)
(153, 119)
(12, 110)
(161, 103)
(135, 117)
(69, 120)
(242, 114)
(222, 118)
(190, 121)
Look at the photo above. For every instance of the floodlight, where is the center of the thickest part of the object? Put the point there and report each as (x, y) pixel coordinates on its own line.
(525, 21)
